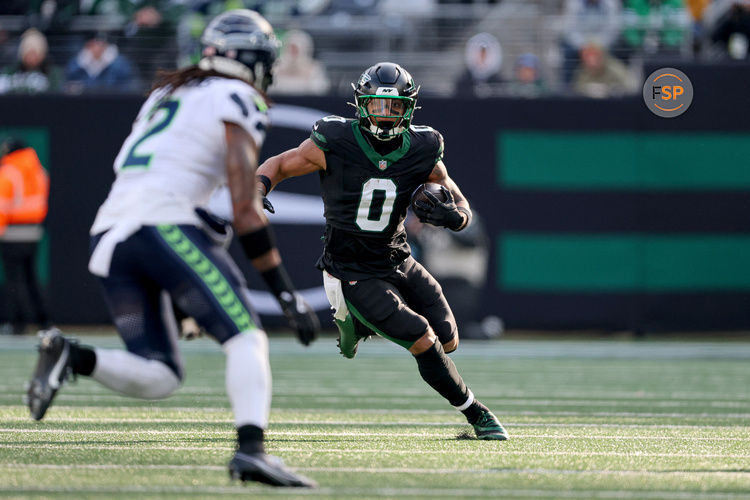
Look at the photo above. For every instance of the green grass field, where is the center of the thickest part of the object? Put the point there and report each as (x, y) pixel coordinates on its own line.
(596, 419)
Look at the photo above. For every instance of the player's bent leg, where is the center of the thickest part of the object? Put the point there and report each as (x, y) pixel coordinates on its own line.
(134, 375)
(440, 373)
(451, 345)
(351, 330)
(425, 296)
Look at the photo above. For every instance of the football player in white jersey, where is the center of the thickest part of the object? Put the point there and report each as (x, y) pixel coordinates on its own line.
(201, 127)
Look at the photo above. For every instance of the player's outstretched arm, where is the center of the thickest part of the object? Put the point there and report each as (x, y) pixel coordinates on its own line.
(454, 213)
(304, 159)
(256, 236)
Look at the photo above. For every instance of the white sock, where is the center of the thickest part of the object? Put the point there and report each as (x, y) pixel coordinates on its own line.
(134, 375)
(248, 378)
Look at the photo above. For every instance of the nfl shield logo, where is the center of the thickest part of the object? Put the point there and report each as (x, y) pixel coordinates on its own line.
(382, 165)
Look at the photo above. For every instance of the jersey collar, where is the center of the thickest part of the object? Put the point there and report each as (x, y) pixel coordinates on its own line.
(381, 161)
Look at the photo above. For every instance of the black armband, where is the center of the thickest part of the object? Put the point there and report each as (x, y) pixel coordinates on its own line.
(467, 213)
(258, 242)
(278, 280)
(266, 183)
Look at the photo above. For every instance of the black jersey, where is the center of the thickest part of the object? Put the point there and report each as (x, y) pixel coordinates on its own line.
(366, 195)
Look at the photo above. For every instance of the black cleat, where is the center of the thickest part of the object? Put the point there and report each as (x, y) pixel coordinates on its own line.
(52, 370)
(266, 469)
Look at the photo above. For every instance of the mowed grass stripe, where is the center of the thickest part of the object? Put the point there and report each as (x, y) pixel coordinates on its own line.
(366, 493)
(377, 470)
(382, 492)
(379, 451)
(386, 400)
(133, 434)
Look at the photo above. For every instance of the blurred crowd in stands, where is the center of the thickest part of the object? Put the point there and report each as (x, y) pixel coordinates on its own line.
(481, 48)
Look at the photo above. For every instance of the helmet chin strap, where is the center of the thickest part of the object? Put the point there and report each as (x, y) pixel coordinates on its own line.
(376, 131)
(228, 67)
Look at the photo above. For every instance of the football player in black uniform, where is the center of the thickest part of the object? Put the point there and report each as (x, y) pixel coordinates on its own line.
(369, 167)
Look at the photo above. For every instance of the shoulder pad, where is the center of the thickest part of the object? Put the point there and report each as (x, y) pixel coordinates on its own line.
(432, 137)
(328, 129)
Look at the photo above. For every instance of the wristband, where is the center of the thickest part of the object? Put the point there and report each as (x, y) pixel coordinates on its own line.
(266, 183)
(467, 213)
(258, 242)
(278, 280)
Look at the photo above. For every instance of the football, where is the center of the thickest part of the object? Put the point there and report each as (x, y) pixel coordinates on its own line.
(434, 189)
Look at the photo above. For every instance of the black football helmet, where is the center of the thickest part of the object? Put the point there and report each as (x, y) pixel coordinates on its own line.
(240, 43)
(385, 97)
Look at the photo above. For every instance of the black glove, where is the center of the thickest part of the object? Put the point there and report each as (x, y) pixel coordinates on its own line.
(437, 213)
(300, 315)
(267, 205)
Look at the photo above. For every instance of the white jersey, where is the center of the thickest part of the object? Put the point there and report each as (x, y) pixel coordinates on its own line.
(174, 157)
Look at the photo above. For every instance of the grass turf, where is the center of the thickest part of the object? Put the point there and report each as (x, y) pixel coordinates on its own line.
(600, 419)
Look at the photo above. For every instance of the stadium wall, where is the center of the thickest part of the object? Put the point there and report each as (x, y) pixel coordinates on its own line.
(602, 215)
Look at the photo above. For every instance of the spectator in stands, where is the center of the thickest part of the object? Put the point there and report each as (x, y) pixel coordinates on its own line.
(526, 79)
(150, 33)
(483, 58)
(33, 73)
(296, 71)
(653, 26)
(99, 66)
(601, 75)
(697, 10)
(585, 22)
(24, 187)
(732, 30)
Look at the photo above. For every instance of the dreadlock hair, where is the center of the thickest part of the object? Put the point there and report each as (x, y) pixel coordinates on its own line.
(179, 77)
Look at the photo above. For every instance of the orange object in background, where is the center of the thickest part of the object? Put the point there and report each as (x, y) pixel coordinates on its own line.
(24, 190)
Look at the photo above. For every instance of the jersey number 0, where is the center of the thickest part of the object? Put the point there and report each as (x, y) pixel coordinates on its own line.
(376, 204)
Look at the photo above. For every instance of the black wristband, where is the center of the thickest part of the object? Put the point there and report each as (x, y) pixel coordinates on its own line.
(466, 212)
(258, 242)
(266, 183)
(278, 280)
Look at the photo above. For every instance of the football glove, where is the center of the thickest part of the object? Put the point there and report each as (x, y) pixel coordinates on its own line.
(300, 316)
(437, 213)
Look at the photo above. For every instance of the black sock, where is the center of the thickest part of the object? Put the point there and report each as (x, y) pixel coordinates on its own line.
(474, 411)
(82, 359)
(440, 373)
(250, 438)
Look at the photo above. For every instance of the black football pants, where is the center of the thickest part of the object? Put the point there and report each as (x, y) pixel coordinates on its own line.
(401, 305)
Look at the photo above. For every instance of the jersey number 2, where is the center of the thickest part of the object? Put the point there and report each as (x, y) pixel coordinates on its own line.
(134, 159)
(376, 204)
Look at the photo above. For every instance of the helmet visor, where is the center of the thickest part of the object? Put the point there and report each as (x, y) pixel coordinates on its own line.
(387, 112)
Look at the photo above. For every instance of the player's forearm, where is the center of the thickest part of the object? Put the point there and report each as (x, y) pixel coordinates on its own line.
(272, 171)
